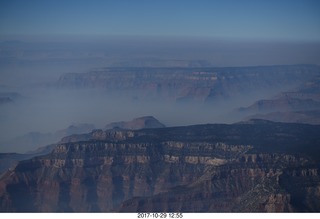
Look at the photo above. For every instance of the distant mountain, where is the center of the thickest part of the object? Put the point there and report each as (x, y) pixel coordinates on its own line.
(30, 140)
(190, 84)
(307, 117)
(282, 104)
(4, 100)
(301, 104)
(255, 166)
(10, 160)
(74, 129)
(114, 130)
(145, 122)
(44, 142)
(9, 97)
(151, 62)
(39, 139)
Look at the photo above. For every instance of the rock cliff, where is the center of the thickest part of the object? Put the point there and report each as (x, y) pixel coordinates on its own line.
(190, 84)
(247, 167)
(300, 105)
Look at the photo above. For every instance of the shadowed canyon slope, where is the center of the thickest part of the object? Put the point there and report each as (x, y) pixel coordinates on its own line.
(253, 166)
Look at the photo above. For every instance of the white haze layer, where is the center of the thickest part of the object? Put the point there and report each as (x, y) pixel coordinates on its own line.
(29, 67)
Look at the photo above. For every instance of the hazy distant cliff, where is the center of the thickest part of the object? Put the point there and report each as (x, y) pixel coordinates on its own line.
(258, 166)
(301, 104)
(145, 122)
(189, 84)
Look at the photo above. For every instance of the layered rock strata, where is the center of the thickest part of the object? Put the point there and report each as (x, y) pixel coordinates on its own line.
(204, 168)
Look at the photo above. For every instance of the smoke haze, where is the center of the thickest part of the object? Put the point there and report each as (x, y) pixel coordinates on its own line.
(30, 68)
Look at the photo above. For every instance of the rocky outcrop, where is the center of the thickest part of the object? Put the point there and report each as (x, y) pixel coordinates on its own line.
(204, 168)
(256, 186)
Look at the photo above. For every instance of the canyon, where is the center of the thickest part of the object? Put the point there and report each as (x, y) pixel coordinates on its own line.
(179, 84)
(254, 166)
(247, 165)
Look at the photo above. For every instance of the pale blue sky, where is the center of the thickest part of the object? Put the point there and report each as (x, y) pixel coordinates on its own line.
(253, 19)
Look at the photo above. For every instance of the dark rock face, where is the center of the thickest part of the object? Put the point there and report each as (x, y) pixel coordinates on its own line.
(247, 167)
(255, 185)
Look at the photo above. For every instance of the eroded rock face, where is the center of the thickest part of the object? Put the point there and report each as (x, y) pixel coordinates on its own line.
(99, 176)
(154, 170)
(239, 186)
